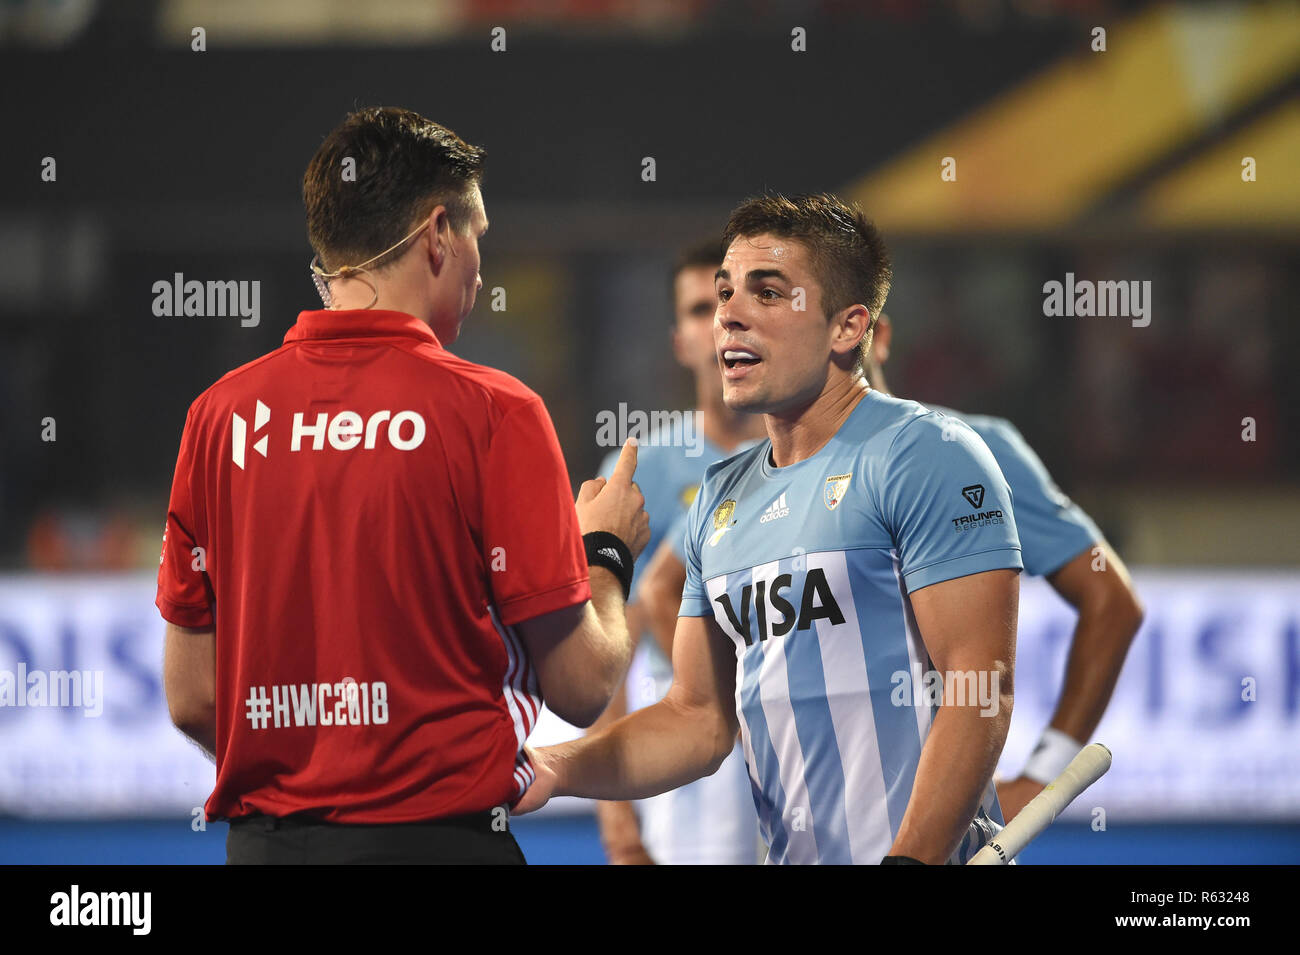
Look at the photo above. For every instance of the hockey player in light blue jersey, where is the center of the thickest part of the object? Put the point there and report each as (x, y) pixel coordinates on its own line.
(852, 581)
(1058, 541)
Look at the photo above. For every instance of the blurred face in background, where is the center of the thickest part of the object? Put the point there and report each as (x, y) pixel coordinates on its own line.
(695, 302)
(774, 343)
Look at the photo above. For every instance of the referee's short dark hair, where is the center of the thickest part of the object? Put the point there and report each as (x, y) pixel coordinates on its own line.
(848, 255)
(403, 165)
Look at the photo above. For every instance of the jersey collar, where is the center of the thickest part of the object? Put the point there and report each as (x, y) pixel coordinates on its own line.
(359, 323)
(832, 443)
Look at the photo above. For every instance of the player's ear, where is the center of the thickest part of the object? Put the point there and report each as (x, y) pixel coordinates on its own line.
(851, 326)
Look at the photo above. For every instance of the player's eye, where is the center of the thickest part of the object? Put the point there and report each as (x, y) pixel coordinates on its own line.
(724, 294)
(774, 294)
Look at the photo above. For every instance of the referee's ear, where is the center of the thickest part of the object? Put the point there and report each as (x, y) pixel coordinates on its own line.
(439, 237)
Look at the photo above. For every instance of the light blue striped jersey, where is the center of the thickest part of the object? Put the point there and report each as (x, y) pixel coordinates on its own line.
(1053, 529)
(808, 569)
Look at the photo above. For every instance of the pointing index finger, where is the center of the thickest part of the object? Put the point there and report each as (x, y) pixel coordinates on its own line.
(626, 465)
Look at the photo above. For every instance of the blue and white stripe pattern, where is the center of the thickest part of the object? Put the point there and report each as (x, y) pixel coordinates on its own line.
(816, 604)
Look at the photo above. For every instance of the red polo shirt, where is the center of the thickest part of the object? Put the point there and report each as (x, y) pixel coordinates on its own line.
(366, 517)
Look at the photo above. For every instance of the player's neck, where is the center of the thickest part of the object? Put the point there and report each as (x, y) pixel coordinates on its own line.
(721, 426)
(798, 436)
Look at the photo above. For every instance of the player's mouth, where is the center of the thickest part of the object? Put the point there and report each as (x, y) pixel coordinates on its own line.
(737, 362)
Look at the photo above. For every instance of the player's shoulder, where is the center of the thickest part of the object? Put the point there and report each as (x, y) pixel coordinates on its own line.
(722, 476)
(726, 471)
(718, 488)
(474, 391)
(883, 426)
(900, 437)
(233, 385)
(501, 388)
(994, 430)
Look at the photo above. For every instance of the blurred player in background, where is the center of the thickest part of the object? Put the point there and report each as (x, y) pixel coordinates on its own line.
(710, 821)
(387, 530)
(867, 538)
(1058, 542)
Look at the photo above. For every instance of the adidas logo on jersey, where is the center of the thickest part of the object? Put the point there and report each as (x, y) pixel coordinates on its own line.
(775, 511)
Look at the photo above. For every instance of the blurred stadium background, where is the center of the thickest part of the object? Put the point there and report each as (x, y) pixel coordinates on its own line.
(1125, 164)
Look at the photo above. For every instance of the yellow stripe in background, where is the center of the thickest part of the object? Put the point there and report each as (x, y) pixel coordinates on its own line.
(1209, 191)
(1042, 154)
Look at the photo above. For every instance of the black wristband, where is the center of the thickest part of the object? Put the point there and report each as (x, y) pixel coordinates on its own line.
(900, 860)
(606, 550)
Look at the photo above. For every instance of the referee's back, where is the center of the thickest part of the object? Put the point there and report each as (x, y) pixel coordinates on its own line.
(364, 517)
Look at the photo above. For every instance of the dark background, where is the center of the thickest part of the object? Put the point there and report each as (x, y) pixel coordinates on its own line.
(171, 160)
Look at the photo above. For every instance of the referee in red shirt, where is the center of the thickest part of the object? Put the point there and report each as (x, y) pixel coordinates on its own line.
(373, 572)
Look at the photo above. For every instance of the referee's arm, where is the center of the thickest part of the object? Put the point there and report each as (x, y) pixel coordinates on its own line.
(190, 683)
(968, 625)
(582, 652)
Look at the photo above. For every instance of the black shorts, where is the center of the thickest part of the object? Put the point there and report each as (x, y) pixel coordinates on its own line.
(305, 840)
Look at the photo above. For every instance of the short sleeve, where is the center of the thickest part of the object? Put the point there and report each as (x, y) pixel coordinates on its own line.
(531, 540)
(946, 503)
(184, 590)
(695, 599)
(1053, 529)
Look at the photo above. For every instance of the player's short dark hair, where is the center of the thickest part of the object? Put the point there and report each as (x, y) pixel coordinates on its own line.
(701, 254)
(405, 165)
(848, 255)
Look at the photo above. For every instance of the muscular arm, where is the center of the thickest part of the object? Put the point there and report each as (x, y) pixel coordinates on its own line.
(968, 624)
(1098, 586)
(581, 653)
(190, 683)
(1109, 617)
(684, 736)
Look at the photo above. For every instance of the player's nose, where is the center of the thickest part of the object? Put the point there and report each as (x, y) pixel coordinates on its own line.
(728, 316)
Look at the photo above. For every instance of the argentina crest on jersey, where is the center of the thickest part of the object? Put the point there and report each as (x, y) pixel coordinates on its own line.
(722, 521)
(834, 490)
